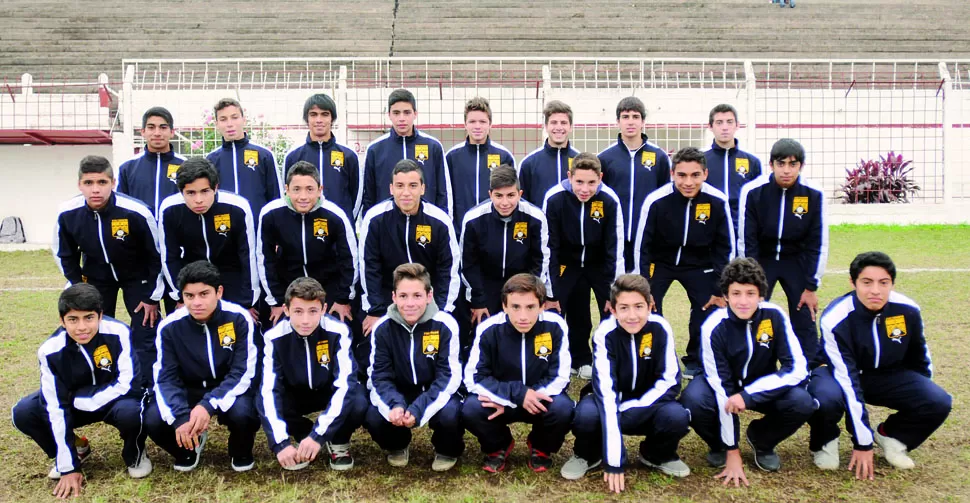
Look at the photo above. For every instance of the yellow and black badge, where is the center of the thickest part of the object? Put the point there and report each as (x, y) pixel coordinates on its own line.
(421, 153)
(119, 228)
(337, 159)
(520, 231)
(222, 223)
(494, 160)
(320, 230)
(570, 164)
(596, 210)
(171, 171)
(799, 206)
(543, 345)
(323, 352)
(422, 234)
(896, 328)
(648, 159)
(102, 357)
(765, 333)
(562, 269)
(652, 266)
(227, 335)
(251, 159)
(429, 343)
(702, 212)
(646, 345)
(742, 166)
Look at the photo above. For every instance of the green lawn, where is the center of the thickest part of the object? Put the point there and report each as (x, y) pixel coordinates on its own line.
(28, 283)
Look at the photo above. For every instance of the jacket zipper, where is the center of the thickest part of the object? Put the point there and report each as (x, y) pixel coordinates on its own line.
(309, 373)
(505, 241)
(90, 364)
(104, 250)
(686, 222)
(781, 223)
(404, 147)
(635, 357)
(477, 161)
(629, 219)
(235, 169)
(414, 373)
(158, 172)
(559, 164)
(205, 237)
(407, 240)
(727, 172)
(747, 338)
(320, 160)
(303, 241)
(523, 358)
(582, 234)
(208, 346)
(875, 340)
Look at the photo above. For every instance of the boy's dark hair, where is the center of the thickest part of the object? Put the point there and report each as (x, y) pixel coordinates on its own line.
(785, 148)
(79, 297)
(305, 288)
(631, 104)
(157, 112)
(503, 176)
(556, 107)
(95, 164)
(200, 271)
(303, 168)
(720, 109)
(407, 166)
(226, 103)
(412, 271)
(524, 283)
(586, 160)
(195, 168)
(399, 95)
(635, 283)
(744, 271)
(687, 154)
(321, 101)
(478, 104)
(871, 259)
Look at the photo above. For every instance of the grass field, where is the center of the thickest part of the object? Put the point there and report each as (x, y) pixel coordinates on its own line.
(29, 284)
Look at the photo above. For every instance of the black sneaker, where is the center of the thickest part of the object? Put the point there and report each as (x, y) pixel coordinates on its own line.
(495, 462)
(766, 460)
(243, 463)
(340, 457)
(538, 460)
(717, 459)
(190, 461)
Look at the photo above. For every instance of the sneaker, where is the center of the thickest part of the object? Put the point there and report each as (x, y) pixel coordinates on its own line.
(243, 463)
(142, 468)
(340, 457)
(192, 460)
(894, 451)
(585, 372)
(538, 460)
(297, 467)
(692, 371)
(443, 463)
(577, 468)
(828, 457)
(83, 449)
(573, 372)
(399, 458)
(716, 459)
(495, 462)
(675, 468)
(766, 460)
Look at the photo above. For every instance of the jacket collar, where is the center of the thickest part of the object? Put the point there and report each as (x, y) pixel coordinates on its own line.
(321, 144)
(240, 143)
(717, 148)
(165, 156)
(108, 206)
(289, 204)
(394, 314)
(555, 150)
(398, 138)
(619, 142)
(568, 187)
(472, 147)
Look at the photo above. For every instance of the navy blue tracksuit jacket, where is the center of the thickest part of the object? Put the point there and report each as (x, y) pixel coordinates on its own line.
(150, 178)
(544, 168)
(340, 172)
(634, 174)
(469, 168)
(729, 170)
(248, 170)
(384, 152)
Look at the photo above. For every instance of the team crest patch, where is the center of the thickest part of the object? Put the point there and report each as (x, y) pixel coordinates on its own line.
(596, 210)
(702, 212)
(102, 358)
(320, 230)
(765, 334)
(646, 345)
(543, 345)
(421, 153)
(429, 343)
(222, 223)
(742, 166)
(227, 335)
(652, 266)
(337, 160)
(422, 234)
(799, 206)
(648, 159)
(251, 159)
(119, 228)
(520, 231)
(896, 328)
(323, 353)
(494, 160)
(562, 269)
(171, 171)
(570, 163)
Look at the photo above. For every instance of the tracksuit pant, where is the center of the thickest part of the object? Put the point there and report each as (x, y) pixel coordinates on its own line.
(241, 419)
(663, 424)
(548, 428)
(921, 405)
(700, 284)
(142, 336)
(126, 414)
(782, 417)
(573, 294)
(297, 405)
(446, 426)
(792, 278)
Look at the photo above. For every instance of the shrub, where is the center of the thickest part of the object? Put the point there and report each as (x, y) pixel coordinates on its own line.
(886, 180)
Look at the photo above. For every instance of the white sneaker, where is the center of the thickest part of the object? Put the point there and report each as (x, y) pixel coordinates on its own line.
(399, 458)
(83, 449)
(585, 372)
(828, 457)
(142, 468)
(675, 468)
(577, 468)
(443, 463)
(297, 467)
(894, 451)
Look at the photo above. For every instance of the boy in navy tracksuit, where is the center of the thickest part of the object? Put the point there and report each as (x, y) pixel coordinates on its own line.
(204, 223)
(874, 351)
(150, 177)
(471, 162)
(752, 360)
(308, 367)
(245, 168)
(339, 169)
(306, 235)
(518, 371)
(414, 373)
(633, 167)
(404, 141)
(585, 249)
(547, 166)
(730, 166)
(636, 378)
(686, 235)
(206, 363)
(783, 226)
(88, 374)
(118, 240)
